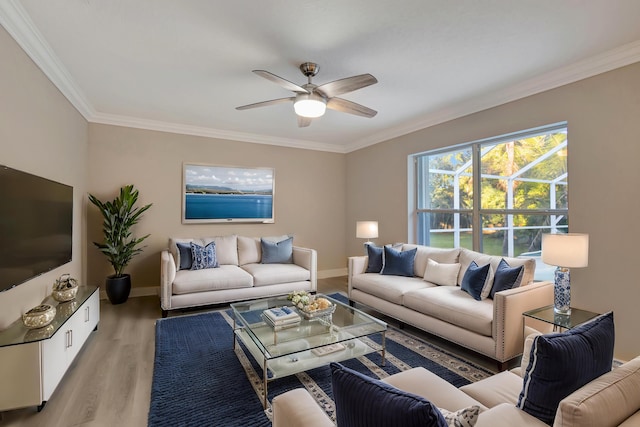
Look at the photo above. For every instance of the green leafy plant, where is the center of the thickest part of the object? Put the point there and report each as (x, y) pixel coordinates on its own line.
(119, 216)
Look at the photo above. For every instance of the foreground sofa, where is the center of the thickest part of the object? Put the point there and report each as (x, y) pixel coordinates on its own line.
(431, 299)
(564, 379)
(247, 268)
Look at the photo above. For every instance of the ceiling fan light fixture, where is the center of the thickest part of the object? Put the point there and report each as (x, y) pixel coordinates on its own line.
(310, 105)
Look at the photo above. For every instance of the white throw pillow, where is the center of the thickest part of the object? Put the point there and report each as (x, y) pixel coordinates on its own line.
(466, 417)
(441, 274)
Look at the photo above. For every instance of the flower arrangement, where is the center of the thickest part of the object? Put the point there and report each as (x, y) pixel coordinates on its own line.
(300, 298)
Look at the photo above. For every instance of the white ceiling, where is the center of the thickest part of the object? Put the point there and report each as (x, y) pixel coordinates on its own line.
(183, 66)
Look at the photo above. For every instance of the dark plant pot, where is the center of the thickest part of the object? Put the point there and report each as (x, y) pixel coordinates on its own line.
(118, 288)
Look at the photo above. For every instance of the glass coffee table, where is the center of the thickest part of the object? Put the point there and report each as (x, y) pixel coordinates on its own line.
(312, 343)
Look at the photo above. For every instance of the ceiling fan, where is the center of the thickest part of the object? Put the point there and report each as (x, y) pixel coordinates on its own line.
(311, 100)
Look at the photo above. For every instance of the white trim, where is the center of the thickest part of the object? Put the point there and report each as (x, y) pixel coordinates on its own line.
(17, 22)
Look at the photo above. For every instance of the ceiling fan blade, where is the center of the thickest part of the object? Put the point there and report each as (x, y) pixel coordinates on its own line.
(280, 81)
(344, 106)
(338, 87)
(303, 122)
(266, 103)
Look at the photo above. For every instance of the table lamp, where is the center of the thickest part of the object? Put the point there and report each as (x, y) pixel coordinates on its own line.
(367, 230)
(570, 250)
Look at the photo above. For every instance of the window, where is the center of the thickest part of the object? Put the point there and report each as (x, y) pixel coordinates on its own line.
(496, 196)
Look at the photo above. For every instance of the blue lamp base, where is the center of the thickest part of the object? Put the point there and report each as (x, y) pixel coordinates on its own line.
(562, 292)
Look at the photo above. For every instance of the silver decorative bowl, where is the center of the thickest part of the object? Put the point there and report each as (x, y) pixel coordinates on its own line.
(65, 288)
(39, 316)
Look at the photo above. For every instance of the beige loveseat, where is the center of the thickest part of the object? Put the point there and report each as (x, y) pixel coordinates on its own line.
(241, 273)
(492, 326)
(612, 399)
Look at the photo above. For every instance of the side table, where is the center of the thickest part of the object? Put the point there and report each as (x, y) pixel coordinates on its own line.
(559, 321)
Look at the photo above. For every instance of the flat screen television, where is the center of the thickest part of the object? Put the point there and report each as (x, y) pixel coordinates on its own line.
(36, 226)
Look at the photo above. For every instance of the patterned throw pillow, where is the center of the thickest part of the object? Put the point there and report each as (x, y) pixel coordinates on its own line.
(203, 257)
(466, 417)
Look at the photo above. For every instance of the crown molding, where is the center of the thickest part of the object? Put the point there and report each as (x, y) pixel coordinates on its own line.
(607, 61)
(19, 25)
(160, 126)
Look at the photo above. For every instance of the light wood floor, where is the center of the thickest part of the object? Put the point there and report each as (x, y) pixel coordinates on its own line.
(109, 383)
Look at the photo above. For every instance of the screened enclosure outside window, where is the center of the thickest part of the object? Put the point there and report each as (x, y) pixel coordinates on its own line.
(496, 196)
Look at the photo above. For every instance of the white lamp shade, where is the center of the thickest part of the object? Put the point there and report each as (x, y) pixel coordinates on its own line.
(309, 105)
(367, 229)
(569, 250)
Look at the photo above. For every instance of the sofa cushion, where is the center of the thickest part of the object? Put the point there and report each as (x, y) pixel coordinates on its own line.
(226, 248)
(203, 257)
(503, 387)
(389, 288)
(270, 274)
(441, 274)
(423, 253)
(452, 305)
(506, 277)
(224, 277)
(561, 363)
(606, 401)
(374, 254)
(249, 251)
(367, 402)
(398, 263)
(277, 252)
(476, 279)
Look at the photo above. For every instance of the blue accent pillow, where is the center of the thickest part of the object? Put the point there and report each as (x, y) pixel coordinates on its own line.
(474, 280)
(375, 259)
(184, 249)
(203, 257)
(398, 263)
(277, 252)
(506, 277)
(362, 401)
(561, 363)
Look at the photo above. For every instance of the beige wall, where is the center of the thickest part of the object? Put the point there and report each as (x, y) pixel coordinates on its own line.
(310, 196)
(603, 115)
(40, 133)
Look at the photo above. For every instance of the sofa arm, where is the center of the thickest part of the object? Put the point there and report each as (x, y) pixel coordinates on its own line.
(308, 259)
(297, 408)
(167, 276)
(357, 265)
(508, 322)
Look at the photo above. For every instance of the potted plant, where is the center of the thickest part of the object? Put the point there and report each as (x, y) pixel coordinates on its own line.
(119, 245)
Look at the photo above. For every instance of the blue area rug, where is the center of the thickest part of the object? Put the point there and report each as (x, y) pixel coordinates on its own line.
(198, 380)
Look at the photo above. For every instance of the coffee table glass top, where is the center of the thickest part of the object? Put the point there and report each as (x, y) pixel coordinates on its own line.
(344, 325)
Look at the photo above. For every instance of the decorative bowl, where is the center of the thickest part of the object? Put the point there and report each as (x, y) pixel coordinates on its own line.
(65, 288)
(39, 316)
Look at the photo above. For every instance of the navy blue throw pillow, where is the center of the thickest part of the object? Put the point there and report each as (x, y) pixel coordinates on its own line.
(185, 256)
(506, 277)
(398, 263)
(362, 401)
(375, 259)
(474, 280)
(561, 363)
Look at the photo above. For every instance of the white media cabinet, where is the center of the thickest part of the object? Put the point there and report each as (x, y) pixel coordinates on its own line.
(32, 362)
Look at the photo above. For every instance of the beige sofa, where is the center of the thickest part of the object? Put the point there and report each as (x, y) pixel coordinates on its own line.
(612, 399)
(492, 327)
(241, 274)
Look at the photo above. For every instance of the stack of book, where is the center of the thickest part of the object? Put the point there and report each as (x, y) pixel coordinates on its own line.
(281, 317)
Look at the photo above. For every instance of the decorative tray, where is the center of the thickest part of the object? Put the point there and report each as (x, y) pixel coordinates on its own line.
(317, 313)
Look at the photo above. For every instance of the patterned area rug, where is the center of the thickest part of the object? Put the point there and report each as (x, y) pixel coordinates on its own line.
(199, 380)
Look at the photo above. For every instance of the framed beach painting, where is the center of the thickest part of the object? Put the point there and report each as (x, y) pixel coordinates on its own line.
(227, 194)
